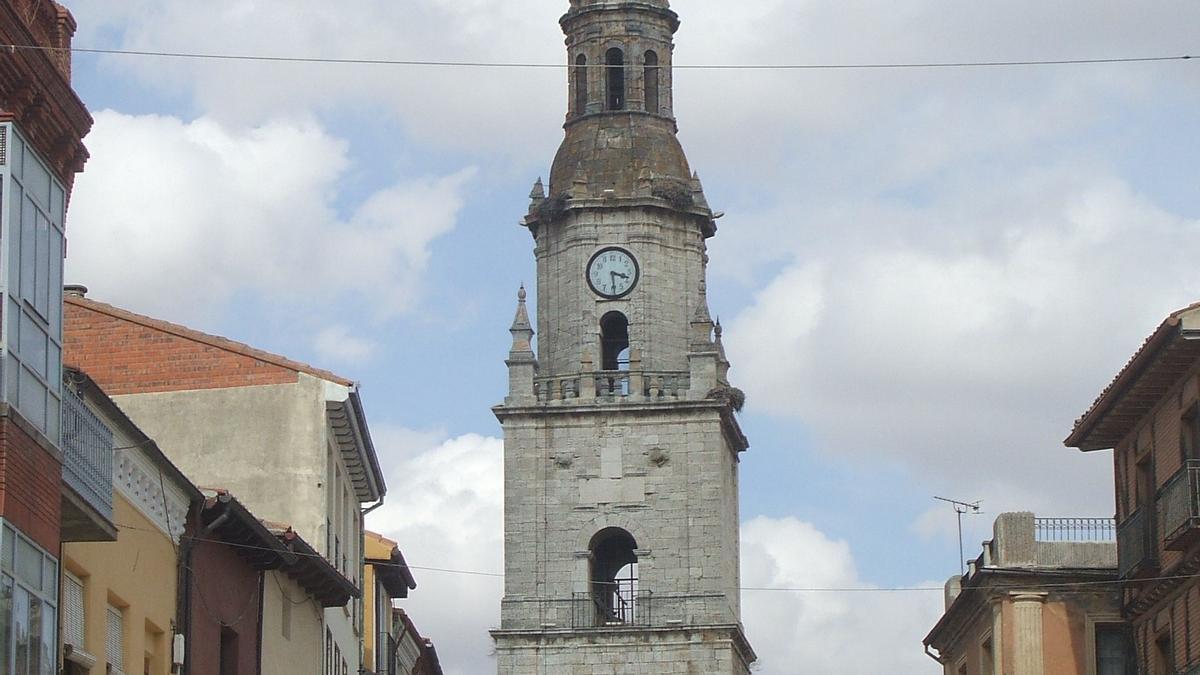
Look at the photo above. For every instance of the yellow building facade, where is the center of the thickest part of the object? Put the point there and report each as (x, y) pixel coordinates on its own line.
(118, 609)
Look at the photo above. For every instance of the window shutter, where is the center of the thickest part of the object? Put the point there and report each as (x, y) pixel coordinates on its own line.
(73, 621)
(115, 641)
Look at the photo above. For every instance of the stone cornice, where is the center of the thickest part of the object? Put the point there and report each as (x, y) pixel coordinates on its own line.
(35, 92)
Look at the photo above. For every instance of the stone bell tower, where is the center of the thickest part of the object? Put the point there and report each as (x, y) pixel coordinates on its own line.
(621, 442)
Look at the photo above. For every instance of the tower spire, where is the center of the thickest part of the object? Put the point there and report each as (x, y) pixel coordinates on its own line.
(522, 330)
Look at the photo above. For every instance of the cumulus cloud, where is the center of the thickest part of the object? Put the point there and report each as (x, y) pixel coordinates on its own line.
(336, 344)
(795, 628)
(444, 507)
(968, 358)
(503, 110)
(176, 217)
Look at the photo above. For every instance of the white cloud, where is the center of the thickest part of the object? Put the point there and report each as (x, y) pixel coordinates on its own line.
(968, 358)
(444, 507)
(807, 631)
(174, 218)
(337, 344)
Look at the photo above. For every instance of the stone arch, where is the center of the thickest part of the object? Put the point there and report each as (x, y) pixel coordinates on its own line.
(614, 79)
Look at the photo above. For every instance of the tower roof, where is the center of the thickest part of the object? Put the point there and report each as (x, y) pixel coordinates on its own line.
(610, 153)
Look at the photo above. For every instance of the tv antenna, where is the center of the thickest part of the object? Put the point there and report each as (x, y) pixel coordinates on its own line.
(960, 508)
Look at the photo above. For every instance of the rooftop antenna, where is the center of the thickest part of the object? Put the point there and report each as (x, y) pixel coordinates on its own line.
(960, 508)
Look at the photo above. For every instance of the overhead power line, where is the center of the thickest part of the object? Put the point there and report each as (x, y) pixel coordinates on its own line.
(1061, 587)
(560, 66)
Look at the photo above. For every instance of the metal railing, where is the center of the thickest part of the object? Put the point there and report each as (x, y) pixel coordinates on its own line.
(87, 445)
(1074, 529)
(625, 607)
(1179, 502)
(1135, 544)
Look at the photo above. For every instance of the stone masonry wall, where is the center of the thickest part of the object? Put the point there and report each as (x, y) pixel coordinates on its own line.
(669, 249)
(667, 476)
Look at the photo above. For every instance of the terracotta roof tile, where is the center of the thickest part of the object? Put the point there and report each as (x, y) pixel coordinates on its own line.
(1132, 369)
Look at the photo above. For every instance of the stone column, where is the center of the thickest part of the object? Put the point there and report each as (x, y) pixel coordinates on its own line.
(1027, 633)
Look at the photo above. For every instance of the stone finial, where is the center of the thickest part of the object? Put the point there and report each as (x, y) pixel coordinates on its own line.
(522, 330)
(702, 323)
(698, 197)
(538, 194)
(722, 360)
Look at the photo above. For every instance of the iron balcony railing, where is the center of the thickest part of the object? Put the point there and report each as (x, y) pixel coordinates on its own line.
(1135, 543)
(1074, 530)
(626, 607)
(1179, 506)
(87, 445)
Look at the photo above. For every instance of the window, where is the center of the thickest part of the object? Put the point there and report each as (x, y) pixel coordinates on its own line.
(1189, 433)
(229, 651)
(614, 577)
(114, 641)
(28, 618)
(32, 311)
(1164, 656)
(1114, 651)
(581, 85)
(328, 652)
(73, 612)
(651, 78)
(615, 62)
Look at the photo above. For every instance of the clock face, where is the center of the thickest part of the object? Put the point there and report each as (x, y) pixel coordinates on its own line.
(612, 272)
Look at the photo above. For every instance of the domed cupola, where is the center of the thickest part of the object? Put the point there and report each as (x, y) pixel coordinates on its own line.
(620, 139)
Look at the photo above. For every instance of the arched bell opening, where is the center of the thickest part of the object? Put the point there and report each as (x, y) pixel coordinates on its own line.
(615, 62)
(651, 76)
(614, 577)
(581, 84)
(614, 342)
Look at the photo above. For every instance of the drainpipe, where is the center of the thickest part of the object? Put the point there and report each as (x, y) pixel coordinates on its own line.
(184, 591)
(372, 507)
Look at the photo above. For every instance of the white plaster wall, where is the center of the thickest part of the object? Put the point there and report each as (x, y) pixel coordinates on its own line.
(304, 651)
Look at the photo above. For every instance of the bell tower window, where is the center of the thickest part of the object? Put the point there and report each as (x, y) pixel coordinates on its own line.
(615, 62)
(651, 78)
(581, 85)
(614, 577)
(614, 342)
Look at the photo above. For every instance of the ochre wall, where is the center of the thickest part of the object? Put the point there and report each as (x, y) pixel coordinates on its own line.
(135, 573)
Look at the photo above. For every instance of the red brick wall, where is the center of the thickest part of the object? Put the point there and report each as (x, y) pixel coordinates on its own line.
(125, 357)
(30, 485)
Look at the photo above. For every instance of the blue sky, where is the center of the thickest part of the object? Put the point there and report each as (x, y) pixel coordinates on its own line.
(925, 275)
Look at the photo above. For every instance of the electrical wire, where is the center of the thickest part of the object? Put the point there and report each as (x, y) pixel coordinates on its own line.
(1066, 586)
(560, 66)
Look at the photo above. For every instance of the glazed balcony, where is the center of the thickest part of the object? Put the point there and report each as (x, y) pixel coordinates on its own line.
(613, 386)
(87, 447)
(1136, 554)
(1179, 508)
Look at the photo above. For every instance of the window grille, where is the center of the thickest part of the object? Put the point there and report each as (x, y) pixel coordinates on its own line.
(114, 641)
(73, 616)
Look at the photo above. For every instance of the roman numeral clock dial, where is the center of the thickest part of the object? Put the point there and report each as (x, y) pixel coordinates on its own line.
(612, 273)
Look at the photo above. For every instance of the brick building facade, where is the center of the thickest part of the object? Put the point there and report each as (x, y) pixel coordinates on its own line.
(1150, 417)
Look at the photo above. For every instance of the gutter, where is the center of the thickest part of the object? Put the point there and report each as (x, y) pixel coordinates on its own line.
(933, 656)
